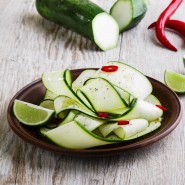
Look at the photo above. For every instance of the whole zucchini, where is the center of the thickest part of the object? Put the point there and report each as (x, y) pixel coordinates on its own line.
(83, 17)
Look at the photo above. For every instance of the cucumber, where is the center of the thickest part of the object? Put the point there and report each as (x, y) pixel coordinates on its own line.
(128, 13)
(127, 78)
(83, 17)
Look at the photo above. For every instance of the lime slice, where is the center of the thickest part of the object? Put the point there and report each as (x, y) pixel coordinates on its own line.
(30, 114)
(175, 81)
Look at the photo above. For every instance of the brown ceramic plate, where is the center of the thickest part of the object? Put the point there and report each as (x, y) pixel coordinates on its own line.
(34, 93)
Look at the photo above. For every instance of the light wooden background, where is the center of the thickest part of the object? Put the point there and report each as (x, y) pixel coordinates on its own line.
(30, 45)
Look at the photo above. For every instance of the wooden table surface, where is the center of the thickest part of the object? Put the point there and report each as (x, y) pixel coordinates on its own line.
(30, 45)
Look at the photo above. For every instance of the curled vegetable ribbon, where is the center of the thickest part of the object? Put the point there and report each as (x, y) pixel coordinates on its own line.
(176, 25)
(161, 23)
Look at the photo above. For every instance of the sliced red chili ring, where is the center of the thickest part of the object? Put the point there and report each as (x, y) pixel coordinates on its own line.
(103, 114)
(111, 68)
(161, 107)
(123, 122)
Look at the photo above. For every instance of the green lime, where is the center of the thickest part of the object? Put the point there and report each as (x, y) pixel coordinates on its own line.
(175, 81)
(30, 114)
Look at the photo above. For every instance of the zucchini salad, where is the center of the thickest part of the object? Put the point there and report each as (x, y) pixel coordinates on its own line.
(110, 105)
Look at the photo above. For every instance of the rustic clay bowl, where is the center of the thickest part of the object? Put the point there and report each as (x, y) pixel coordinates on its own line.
(34, 93)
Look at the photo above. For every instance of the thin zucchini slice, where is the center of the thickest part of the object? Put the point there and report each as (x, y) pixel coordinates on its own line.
(74, 136)
(62, 103)
(85, 75)
(70, 117)
(108, 128)
(102, 95)
(143, 110)
(124, 95)
(135, 126)
(152, 99)
(124, 131)
(128, 79)
(59, 83)
(152, 126)
(88, 122)
(49, 95)
(48, 104)
(85, 100)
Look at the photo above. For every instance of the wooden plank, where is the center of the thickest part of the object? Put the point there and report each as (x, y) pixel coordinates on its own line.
(30, 45)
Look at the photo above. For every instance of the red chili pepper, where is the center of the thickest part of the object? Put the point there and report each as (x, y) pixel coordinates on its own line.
(161, 23)
(103, 114)
(176, 25)
(111, 68)
(123, 122)
(161, 107)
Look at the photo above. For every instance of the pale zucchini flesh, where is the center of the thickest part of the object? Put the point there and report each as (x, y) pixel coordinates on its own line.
(152, 99)
(128, 13)
(71, 135)
(85, 75)
(88, 122)
(59, 83)
(105, 31)
(49, 95)
(48, 104)
(134, 127)
(70, 117)
(142, 109)
(128, 79)
(102, 95)
(152, 126)
(62, 103)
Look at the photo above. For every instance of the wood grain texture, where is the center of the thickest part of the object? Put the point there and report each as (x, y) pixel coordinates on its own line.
(30, 45)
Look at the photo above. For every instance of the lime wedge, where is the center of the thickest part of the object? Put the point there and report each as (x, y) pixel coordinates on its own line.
(30, 114)
(175, 81)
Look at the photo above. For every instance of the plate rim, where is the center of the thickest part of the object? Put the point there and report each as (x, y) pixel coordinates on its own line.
(92, 151)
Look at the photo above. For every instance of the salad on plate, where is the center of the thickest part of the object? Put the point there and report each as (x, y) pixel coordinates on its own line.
(110, 105)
